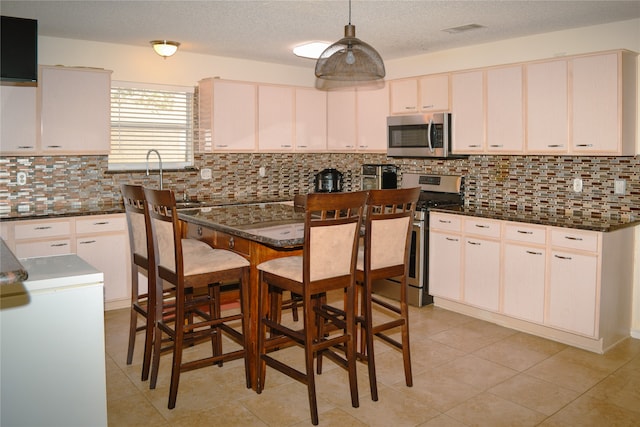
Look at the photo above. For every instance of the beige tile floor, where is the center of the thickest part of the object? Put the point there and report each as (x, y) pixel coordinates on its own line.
(466, 372)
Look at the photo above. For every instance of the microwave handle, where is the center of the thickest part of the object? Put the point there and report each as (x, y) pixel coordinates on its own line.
(429, 134)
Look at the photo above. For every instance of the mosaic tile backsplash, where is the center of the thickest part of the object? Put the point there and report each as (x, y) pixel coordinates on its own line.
(509, 182)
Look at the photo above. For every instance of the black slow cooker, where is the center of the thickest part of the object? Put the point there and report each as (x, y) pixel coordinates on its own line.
(328, 181)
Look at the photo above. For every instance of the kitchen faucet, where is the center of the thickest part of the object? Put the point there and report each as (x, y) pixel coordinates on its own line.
(159, 161)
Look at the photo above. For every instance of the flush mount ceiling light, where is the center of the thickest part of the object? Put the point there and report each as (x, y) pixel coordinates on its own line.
(310, 50)
(350, 59)
(164, 48)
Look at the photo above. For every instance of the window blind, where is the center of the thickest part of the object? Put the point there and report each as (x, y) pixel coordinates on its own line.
(145, 117)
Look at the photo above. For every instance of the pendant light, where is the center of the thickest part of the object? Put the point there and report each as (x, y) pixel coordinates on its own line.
(350, 59)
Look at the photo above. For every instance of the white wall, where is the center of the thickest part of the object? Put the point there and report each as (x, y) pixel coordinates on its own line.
(137, 63)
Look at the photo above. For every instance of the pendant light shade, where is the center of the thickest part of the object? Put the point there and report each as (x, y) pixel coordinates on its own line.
(350, 59)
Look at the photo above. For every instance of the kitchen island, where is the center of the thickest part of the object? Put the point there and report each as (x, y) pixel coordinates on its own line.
(257, 231)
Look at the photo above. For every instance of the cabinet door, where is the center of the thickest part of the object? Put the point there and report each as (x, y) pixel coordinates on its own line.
(234, 116)
(482, 273)
(445, 265)
(311, 120)
(505, 121)
(404, 96)
(109, 254)
(18, 120)
(573, 292)
(434, 93)
(547, 108)
(275, 118)
(371, 116)
(467, 105)
(595, 104)
(341, 120)
(75, 110)
(524, 278)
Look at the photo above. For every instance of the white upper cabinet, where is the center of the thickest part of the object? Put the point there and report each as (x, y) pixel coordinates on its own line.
(467, 106)
(75, 110)
(234, 116)
(404, 96)
(603, 92)
(18, 120)
(341, 120)
(372, 110)
(434, 93)
(311, 120)
(505, 121)
(424, 94)
(275, 118)
(547, 107)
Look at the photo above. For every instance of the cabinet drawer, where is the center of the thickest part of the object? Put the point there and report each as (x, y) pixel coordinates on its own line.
(100, 224)
(444, 222)
(40, 230)
(482, 227)
(236, 244)
(525, 233)
(40, 249)
(575, 239)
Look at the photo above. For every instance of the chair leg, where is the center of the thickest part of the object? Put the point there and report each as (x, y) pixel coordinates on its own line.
(406, 349)
(175, 368)
(310, 335)
(148, 343)
(263, 311)
(244, 306)
(351, 346)
(133, 326)
(215, 313)
(368, 340)
(155, 361)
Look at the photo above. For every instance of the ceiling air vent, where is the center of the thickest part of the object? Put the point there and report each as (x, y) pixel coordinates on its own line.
(463, 28)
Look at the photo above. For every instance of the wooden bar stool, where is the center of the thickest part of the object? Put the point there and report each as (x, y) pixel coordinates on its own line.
(385, 254)
(192, 266)
(332, 227)
(142, 260)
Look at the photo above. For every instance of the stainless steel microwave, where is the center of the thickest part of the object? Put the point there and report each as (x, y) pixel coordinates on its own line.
(424, 135)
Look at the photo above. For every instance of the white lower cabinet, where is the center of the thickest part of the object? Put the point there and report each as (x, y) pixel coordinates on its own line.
(101, 240)
(481, 272)
(568, 285)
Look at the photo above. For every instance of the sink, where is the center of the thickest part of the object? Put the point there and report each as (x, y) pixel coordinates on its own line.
(189, 204)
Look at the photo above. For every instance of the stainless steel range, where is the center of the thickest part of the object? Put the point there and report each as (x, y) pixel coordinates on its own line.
(437, 191)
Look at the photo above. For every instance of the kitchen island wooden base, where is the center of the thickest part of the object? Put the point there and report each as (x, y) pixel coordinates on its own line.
(256, 253)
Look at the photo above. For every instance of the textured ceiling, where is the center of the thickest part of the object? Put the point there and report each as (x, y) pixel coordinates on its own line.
(268, 30)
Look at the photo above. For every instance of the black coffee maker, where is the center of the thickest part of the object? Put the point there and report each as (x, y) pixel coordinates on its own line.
(328, 181)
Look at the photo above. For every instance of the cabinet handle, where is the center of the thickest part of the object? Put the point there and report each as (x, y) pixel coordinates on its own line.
(410, 108)
(55, 245)
(101, 223)
(525, 232)
(221, 145)
(25, 147)
(579, 239)
(451, 239)
(285, 146)
(43, 227)
(87, 242)
(474, 146)
(199, 230)
(232, 243)
(427, 106)
(555, 145)
(496, 145)
(563, 257)
(534, 253)
(584, 145)
(444, 221)
(54, 146)
(482, 226)
(474, 243)
(302, 146)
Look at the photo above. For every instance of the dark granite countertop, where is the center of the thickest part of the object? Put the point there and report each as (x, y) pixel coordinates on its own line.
(275, 224)
(11, 271)
(575, 220)
(106, 208)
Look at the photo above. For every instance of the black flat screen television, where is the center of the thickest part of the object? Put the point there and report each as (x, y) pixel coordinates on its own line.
(19, 50)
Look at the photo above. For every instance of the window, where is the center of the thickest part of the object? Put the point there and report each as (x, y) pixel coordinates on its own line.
(145, 117)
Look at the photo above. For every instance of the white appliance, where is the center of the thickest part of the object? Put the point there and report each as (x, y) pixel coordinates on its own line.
(52, 357)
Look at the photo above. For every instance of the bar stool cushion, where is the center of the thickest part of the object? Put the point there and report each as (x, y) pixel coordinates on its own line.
(388, 243)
